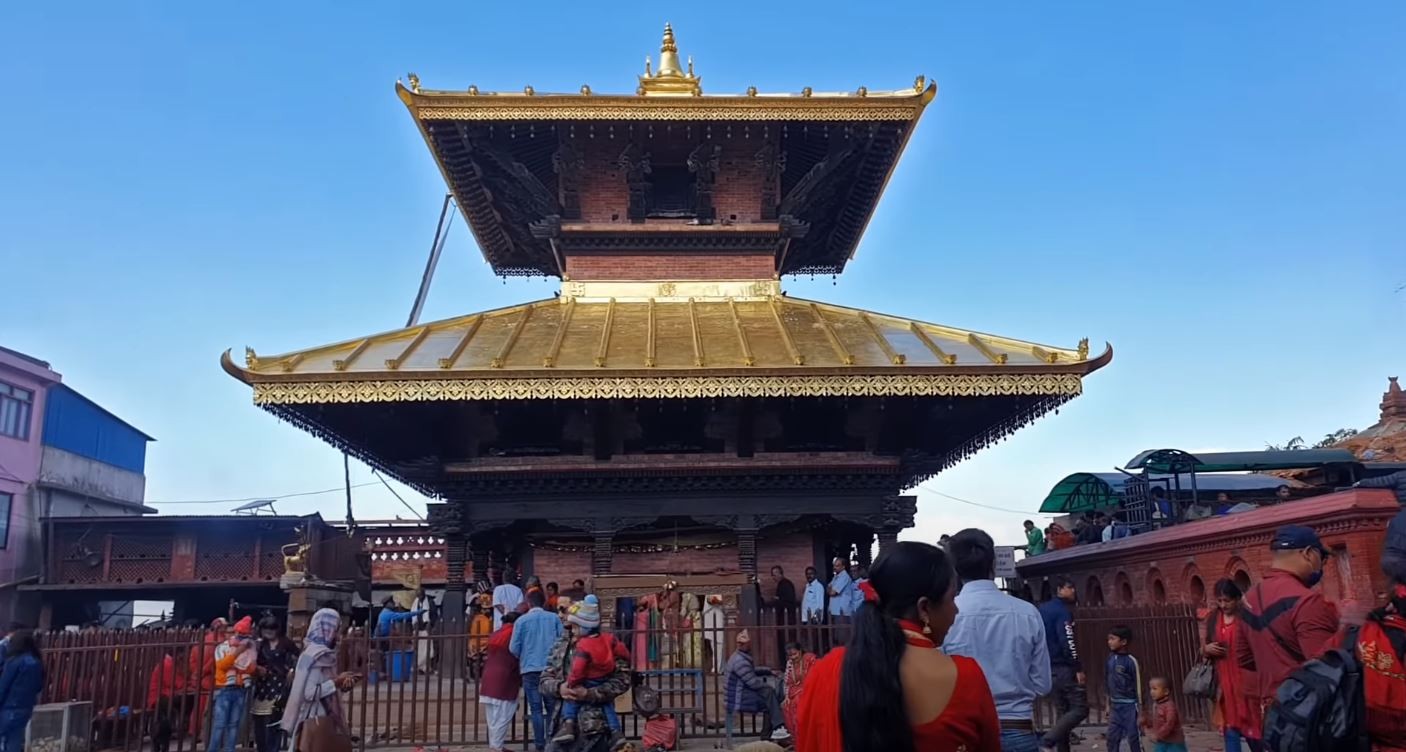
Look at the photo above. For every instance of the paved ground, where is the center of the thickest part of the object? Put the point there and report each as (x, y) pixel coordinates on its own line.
(1197, 741)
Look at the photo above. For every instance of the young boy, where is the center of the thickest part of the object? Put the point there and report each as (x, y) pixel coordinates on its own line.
(592, 664)
(1165, 724)
(1124, 692)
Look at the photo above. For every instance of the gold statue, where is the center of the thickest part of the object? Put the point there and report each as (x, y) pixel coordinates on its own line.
(297, 561)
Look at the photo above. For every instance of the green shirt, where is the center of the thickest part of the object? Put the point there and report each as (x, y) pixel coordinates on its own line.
(1035, 542)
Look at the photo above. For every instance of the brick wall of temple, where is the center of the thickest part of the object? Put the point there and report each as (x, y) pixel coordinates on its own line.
(793, 551)
(737, 191)
(1186, 571)
(673, 266)
(561, 567)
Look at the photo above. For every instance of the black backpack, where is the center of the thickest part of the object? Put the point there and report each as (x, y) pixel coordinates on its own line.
(1321, 707)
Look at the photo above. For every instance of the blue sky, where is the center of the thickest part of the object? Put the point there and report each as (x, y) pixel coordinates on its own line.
(1215, 188)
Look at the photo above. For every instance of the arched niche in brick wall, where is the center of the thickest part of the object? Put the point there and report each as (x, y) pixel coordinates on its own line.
(1193, 591)
(1093, 591)
(1156, 587)
(1124, 586)
(1239, 573)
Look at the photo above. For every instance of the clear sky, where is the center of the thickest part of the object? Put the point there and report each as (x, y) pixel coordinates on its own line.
(1218, 189)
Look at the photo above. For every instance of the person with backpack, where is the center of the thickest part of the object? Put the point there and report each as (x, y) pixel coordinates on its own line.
(1284, 619)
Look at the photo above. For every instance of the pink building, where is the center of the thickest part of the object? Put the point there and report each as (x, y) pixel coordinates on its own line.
(24, 383)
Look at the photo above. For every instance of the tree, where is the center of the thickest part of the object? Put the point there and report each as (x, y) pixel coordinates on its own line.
(1340, 435)
(1293, 444)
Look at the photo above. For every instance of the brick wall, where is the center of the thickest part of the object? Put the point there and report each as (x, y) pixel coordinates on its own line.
(672, 266)
(736, 193)
(792, 551)
(561, 567)
(1188, 570)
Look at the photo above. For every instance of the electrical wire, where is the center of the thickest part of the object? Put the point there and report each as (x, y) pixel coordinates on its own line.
(978, 504)
(275, 497)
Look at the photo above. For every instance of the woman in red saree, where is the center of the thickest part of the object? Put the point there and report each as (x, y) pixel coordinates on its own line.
(1236, 715)
(798, 665)
(890, 688)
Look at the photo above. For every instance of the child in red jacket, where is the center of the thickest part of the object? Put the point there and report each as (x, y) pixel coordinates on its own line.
(1165, 723)
(592, 664)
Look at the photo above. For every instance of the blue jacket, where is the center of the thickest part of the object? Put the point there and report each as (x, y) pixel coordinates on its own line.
(1124, 679)
(534, 633)
(20, 684)
(744, 685)
(1059, 634)
(389, 617)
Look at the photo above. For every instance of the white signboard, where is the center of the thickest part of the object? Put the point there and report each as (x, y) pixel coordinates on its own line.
(1005, 562)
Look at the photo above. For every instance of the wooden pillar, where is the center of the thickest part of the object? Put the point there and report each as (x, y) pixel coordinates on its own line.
(887, 537)
(478, 557)
(452, 609)
(747, 551)
(602, 551)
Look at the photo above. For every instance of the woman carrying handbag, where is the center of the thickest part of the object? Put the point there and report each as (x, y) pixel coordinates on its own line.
(313, 719)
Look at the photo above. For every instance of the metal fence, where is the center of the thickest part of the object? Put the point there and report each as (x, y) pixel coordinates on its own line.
(1166, 643)
(139, 680)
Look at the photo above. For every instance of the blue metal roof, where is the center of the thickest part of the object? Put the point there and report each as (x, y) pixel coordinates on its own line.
(79, 425)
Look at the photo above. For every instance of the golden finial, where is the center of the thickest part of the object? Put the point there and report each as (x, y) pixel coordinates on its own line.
(751, 91)
(920, 83)
(670, 78)
(1084, 349)
(669, 55)
(863, 91)
(528, 91)
(585, 90)
(414, 82)
(251, 359)
(473, 90)
(805, 92)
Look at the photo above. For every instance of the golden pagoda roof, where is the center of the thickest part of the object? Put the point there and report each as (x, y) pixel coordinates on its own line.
(667, 93)
(666, 340)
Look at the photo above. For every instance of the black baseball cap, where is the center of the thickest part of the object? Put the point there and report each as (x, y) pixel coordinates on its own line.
(1294, 537)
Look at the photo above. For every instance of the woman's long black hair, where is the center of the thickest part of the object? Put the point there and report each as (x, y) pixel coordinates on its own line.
(872, 714)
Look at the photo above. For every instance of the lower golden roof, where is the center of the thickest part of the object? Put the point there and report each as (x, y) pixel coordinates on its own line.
(601, 348)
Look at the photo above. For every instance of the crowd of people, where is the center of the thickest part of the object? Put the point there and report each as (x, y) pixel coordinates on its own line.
(937, 657)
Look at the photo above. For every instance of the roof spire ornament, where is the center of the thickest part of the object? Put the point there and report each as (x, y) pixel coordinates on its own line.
(670, 79)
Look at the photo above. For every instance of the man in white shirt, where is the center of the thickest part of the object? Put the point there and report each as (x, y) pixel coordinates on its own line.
(506, 597)
(813, 602)
(1003, 634)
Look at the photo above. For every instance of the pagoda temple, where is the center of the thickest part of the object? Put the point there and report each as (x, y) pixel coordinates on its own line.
(671, 410)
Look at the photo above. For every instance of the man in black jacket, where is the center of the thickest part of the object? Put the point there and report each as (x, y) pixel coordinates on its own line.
(1066, 672)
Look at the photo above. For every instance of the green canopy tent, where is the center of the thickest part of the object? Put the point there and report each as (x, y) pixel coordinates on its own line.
(1174, 460)
(1080, 492)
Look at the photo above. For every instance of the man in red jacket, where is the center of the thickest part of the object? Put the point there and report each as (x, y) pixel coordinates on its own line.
(1285, 620)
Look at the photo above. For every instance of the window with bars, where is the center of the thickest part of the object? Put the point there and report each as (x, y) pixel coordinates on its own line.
(16, 408)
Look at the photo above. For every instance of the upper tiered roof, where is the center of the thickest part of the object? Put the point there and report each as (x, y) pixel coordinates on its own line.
(504, 154)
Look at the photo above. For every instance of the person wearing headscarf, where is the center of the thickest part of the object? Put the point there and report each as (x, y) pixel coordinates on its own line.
(313, 693)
